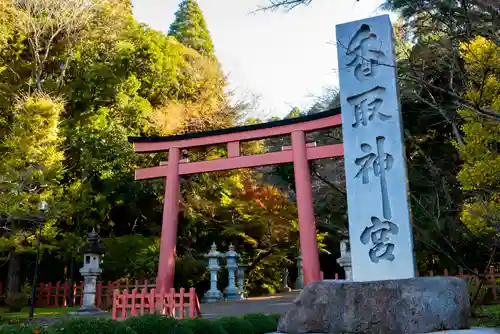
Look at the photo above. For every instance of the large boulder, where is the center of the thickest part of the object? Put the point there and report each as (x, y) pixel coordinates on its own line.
(416, 305)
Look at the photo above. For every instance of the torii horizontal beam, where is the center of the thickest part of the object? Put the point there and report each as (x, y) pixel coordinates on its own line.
(252, 132)
(266, 159)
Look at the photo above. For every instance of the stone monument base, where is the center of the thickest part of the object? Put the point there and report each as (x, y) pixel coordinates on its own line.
(89, 310)
(416, 305)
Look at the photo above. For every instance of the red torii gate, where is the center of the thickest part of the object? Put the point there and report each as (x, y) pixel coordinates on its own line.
(299, 153)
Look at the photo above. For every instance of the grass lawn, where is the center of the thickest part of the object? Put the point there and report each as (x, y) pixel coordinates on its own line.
(487, 316)
(39, 312)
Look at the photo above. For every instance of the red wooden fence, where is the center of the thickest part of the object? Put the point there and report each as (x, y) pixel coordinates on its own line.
(50, 295)
(489, 279)
(177, 305)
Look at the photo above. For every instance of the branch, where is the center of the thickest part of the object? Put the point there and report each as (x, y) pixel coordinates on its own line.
(287, 4)
(460, 101)
(331, 184)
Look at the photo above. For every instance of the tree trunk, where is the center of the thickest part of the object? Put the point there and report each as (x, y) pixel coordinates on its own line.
(14, 273)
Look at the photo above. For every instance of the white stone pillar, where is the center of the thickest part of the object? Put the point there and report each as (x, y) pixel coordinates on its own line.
(380, 230)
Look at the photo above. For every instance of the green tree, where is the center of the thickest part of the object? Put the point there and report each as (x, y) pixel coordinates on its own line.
(480, 172)
(30, 171)
(190, 29)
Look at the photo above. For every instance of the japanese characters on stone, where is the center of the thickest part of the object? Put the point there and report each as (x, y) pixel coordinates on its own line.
(366, 106)
(365, 56)
(364, 53)
(375, 164)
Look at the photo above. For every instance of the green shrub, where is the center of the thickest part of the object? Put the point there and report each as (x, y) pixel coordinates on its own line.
(19, 329)
(276, 317)
(15, 301)
(90, 325)
(235, 325)
(153, 324)
(261, 323)
(202, 326)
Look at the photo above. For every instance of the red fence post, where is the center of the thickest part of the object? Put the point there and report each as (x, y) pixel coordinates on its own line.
(41, 289)
(49, 295)
(56, 298)
(143, 301)
(98, 295)
(171, 302)
(193, 303)
(152, 301)
(114, 310)
(134, 306)
(109, 293)
(181, 303)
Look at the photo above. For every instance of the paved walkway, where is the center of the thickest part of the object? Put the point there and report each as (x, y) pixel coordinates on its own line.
(271, 304)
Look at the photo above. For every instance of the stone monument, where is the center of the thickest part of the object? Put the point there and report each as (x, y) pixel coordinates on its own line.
(380, 233)
(90, 271)
(214, 294)
(384, 296)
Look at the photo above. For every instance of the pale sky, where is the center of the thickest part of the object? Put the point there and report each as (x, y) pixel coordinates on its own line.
(285, 58)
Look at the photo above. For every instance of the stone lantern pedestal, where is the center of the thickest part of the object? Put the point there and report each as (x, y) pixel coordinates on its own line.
(90, 271)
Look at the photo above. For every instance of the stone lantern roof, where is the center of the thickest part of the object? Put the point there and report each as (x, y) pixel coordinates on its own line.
(93, 245)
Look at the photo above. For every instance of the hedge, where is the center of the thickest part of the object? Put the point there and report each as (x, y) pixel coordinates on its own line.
(253, 323)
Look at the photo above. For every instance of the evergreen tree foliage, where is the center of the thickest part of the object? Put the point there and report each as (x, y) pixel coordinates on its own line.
(30, 171)
(190, 29)
(480, 172)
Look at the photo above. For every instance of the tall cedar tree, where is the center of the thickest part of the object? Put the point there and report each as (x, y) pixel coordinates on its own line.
(190, 28)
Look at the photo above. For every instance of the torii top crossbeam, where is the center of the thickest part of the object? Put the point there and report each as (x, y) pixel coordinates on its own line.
(299, 153)
(233, 137)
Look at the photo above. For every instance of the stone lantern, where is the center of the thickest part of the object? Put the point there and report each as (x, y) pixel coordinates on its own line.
(214, 294)
(299, 284)
(90, 271)
(345, 259)
(232, 291)
(240, 274)
(284, 280)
